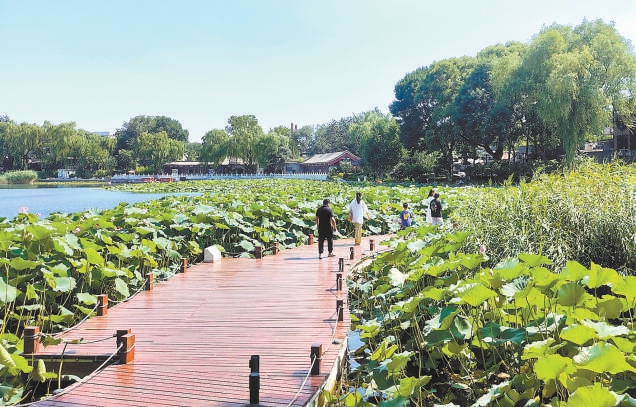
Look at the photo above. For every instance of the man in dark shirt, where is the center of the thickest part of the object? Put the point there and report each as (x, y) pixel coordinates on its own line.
(326, 223)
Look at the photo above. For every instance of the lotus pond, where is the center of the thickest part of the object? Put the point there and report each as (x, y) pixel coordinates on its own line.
(452, 316)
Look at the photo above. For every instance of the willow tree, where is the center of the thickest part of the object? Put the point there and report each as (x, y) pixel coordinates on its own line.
(244, 132)
(214, 146)
(589, 73)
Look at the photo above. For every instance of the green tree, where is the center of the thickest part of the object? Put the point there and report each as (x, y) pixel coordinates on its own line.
(95, 156)
(125, 160)
(302, 141)
(244, 132)
(272, 151)
(214, 146)
(380, 145)
(155, 149)
(131, 130)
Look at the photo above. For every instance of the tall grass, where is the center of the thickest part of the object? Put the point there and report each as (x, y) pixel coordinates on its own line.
(587, 215)
(20, 177)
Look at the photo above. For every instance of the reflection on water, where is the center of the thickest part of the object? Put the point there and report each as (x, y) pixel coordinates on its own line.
(46, 199)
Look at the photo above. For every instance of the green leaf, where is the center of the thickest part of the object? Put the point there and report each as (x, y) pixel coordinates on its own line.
(20, 264)
(93, 257)
(492, 394)
(574, 271)
(570, 294)
(626, 287)
(538, 349)
(550, 367)
(408, 385)
(518, 288)
(397, 278)
(610, 307)
(86, 298)
(474, 294)
(603, 358)
(461, 328)
(398, 362)
(604, 330)
(594, 395)
(247, 245)
(64, 284)
(600, 276)
(122, 288)
(8, 293)
(578, 334)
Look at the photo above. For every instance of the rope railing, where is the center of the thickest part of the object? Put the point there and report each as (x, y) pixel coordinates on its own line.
(314, 360)
(130, 297)
(60, 391)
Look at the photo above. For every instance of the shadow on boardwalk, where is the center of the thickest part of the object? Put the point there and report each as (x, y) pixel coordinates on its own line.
(195, 334)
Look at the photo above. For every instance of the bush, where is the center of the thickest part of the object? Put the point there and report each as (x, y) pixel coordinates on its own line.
(21, 177)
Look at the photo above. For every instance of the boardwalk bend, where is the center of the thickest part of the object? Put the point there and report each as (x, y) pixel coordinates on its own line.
(191, 341)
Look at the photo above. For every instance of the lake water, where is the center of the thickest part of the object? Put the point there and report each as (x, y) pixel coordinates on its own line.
(46, 199)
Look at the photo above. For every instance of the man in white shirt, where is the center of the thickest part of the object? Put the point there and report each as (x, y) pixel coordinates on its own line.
(357, 212)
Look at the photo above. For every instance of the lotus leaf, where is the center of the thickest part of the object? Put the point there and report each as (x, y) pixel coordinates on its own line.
(534, 260)
(575, 271)
(474, 293)
(20, 264)
(605, 330)
(494, 393)
(554, 367)
(579, 334)
(8, 293)
(601, 358)
(570, 294)
(594, 395)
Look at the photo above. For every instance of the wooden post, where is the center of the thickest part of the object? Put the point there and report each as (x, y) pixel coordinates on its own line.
(311, 239)
(255, 379)
(340, 310)
(31, 340)
(184, 265)
(372, 245)
(316, 358)
(258, 252)
(127, 342)
(341, 265)
(275, 248)
(351, 254)
(150, 282)
(338, 281)
(102, 305)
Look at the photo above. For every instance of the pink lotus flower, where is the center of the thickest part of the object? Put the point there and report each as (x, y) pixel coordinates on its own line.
(76, 230)
(482, 249)
(24, 209)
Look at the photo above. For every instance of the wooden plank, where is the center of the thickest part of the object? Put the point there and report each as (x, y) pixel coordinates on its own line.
(195, 334)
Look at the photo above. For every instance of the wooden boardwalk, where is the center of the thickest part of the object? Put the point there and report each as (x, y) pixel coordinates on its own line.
(195, 334)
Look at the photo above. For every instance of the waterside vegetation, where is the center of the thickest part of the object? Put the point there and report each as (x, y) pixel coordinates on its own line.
(434, 306)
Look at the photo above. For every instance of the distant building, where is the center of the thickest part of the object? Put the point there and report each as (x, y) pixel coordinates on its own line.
(322, 163)
(65, 173)
(319, 163)
(177, 168)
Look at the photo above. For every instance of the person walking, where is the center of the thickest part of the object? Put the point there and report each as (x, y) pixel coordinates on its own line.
(326, 223)
(436, 210)
(357, 212)
(406, 216)
(429, 198)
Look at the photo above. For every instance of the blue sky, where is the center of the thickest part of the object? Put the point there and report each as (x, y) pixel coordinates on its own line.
(98, 64)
